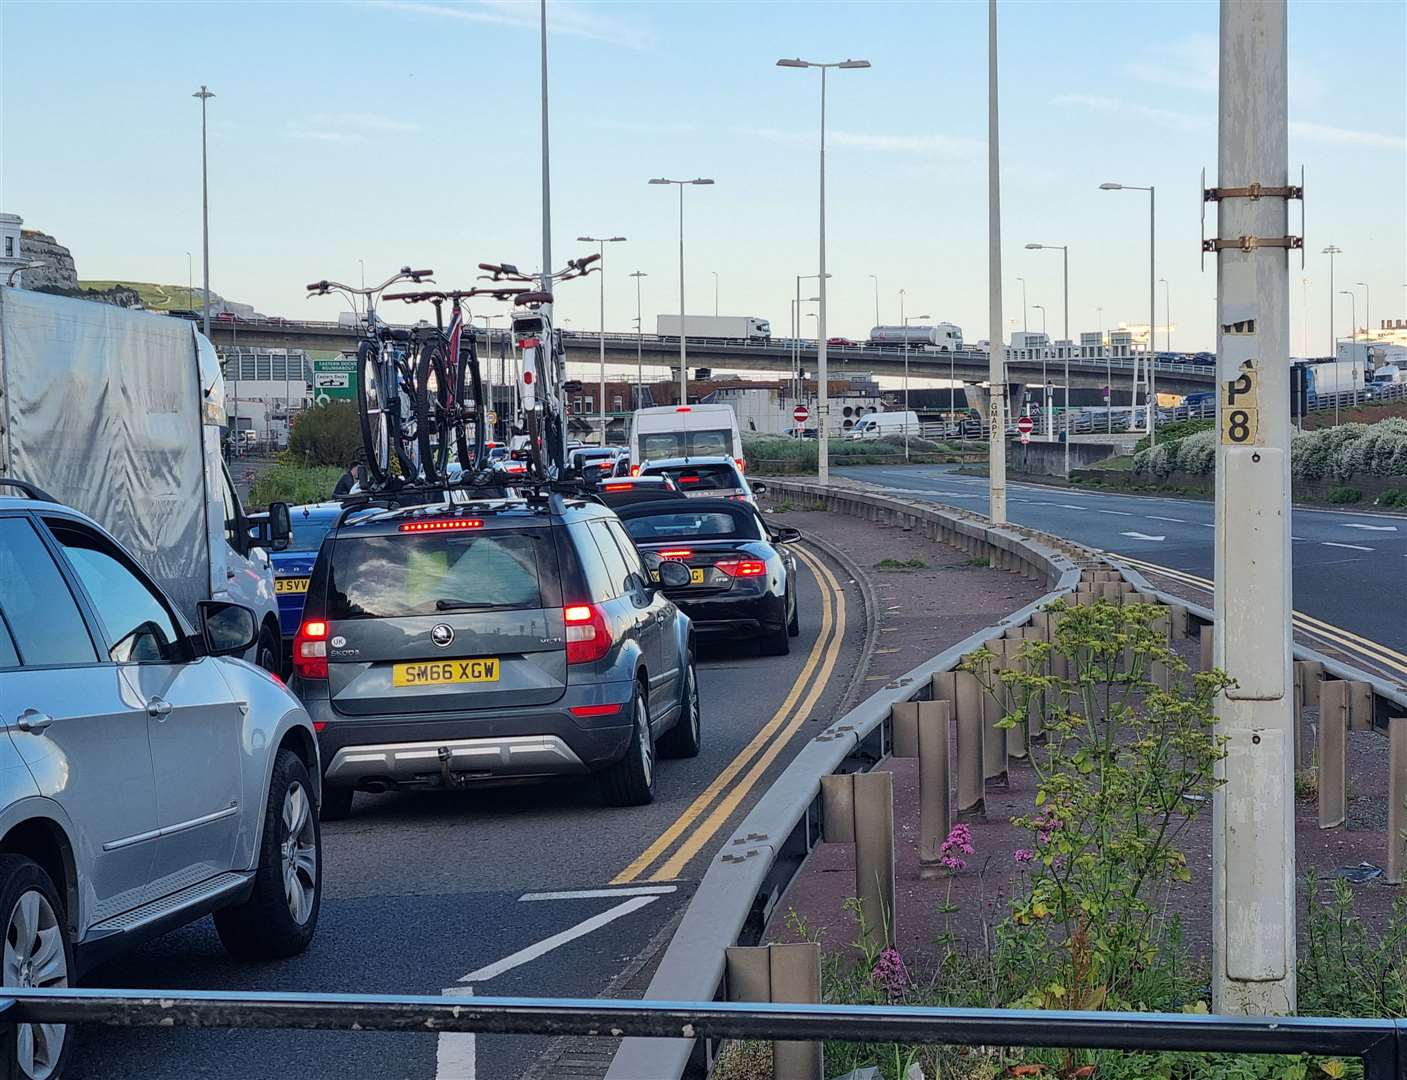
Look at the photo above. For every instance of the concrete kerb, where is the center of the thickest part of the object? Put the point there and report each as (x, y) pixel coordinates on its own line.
(748, 880)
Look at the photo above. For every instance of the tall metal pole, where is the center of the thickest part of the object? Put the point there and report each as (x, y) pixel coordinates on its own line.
(715, 294)
(1331, 251)
(1108, 376)
(823, 406)
(205, 95)
(875, 278)
(996, 367)
(683, 336)
(1152, 318)
(1065, 426)
(796, 339)
(1253, 811)
(904, 322)
(546, 172)
(1167, 313)
(639, 344)
(601, 292)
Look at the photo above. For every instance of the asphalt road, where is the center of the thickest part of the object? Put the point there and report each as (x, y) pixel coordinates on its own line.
(1350, 567)
(424, 890)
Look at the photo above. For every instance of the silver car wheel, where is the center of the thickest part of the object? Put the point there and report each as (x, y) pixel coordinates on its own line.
(35, 957)
(647, 743)
(693, 701)
(299, 851)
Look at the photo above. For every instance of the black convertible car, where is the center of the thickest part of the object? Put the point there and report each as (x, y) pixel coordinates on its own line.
(743, 576)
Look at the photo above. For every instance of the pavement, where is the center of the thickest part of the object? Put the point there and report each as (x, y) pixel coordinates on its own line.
(1350, 566)
(533, 890)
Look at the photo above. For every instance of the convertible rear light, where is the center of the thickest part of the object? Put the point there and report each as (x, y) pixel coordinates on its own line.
(442, 526)
(310, 650)
(674, 553)
(588, 636)
(595, 710)
(742, 567)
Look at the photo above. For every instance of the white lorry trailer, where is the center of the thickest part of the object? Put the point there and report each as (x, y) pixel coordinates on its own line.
(940, 337)
(742, 327)
(118, 414)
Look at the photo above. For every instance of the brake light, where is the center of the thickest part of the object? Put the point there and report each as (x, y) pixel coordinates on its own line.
(675, 553)
(635, 470)
(310, 650)
(742, 567)
(528, 343)
(588, 637)
(319, 726)
(683, 408)
(595, 710)
(441, 526)
(619, 487)
(742, 465)
(690, 480)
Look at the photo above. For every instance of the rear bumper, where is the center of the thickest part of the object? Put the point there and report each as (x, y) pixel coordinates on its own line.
(733, 615)
(410, 763)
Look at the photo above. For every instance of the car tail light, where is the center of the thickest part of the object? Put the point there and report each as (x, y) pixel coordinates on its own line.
(690, 479)
(310, 650)
(441, 526)
(319, 726)
(635, 470)
(528, 343)
(742, 567)
(619, 487)
(588, 637)
(528, 378)
(595, 710)
(683, 408)
(675, 553)
(742, 465)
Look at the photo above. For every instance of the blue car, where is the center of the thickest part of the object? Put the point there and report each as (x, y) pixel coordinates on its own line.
(294, 564)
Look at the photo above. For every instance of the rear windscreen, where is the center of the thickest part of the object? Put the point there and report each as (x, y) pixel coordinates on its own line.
(655, 445)
(700, 477)
(709, 525)
(387, 577)
(308, 532)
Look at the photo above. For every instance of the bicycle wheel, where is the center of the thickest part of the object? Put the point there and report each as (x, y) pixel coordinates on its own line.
(472, 409)
(403, 417)
(537, 465)
(371, 408)
(432, 409)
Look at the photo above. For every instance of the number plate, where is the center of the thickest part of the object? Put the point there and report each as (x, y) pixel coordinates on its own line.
(696, 575)
(445, 672)
(290, 584)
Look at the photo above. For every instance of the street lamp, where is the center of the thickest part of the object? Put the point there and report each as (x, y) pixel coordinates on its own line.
(1025, 327)
(875, 279)
(601, 242)
(1167, 313)
(905, 320)
(204, 95)
(715, 292)
(822, 371)
(1353, 330)
(796, 322)
(639, 344)
(1108, 373)
(1367, 316)
(1331, 251)
(1304, 315)
(1065, 266)
(1041, 309)
(190, 281)
(361, 264)
(683, 347)
(1152, 317)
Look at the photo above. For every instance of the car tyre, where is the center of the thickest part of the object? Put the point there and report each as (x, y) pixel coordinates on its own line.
(685, 738)
(38, 952)
(267, 653)
(794, 623)
(776, 643)
(336, 802)
(278, 918)
(631, 780)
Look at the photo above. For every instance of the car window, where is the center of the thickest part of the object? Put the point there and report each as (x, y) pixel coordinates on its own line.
(672, 444)
(136, 620)
(710, 525)
(231, 511)
(8, 656)
(36, 602)
(308, 531)
(616, 565)
(700, 477)
(390, 577)
(598, 577)
(628, 551)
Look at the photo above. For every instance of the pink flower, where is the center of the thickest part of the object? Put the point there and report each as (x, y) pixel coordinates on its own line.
(1023, 855)
(889, 973)
(957, 844)
(1046, 825)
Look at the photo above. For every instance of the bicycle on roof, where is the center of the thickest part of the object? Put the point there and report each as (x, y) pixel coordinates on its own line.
(541, 393)
(450, 403)
(385, 381)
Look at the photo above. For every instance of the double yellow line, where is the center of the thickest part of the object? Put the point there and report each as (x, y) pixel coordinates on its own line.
(1389, 658)
(707, 814)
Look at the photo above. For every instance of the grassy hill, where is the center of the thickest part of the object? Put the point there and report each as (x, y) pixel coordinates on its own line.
(158, 297)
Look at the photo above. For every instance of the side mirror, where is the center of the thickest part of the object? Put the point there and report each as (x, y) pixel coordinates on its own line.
(673, 575)
(271, 529)
(785, 534)
(759, 488)
(227, 629)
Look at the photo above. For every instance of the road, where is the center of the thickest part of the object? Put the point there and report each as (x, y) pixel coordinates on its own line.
(1350, 566)
(534, 890)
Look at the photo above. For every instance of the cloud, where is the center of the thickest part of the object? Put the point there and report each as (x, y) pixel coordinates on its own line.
(311, 135)
(346, 127)
(1303, 129)
(574, 19)
(928, 145)
(642, 127)
(1188, 63)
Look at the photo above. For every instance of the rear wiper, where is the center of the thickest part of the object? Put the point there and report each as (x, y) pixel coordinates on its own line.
(452, 604)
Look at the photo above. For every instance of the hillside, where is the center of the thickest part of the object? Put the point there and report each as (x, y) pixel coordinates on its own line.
(172, 297)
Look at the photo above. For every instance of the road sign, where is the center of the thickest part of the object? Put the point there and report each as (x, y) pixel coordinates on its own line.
(492, 417)
(1106, 393)
(335, 379)
(801, 414)
(1024, 426)
(1025, 437)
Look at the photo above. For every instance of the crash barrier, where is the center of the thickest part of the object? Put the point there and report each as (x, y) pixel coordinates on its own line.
(825, 796)
(1381, 1045)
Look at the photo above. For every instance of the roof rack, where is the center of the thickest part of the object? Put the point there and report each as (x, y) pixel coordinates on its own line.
(28, 490)
(536, 494)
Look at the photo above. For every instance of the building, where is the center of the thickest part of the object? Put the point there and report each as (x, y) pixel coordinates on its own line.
(12, 260)
(266, 388)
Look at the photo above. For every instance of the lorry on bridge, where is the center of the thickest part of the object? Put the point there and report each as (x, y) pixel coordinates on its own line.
(119, 414)
(742, 327)
(939, 337)
(1336, 377)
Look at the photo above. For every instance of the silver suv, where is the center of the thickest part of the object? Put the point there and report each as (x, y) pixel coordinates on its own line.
(148, 777)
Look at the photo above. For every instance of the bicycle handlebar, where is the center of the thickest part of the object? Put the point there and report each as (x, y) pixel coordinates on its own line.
(321, 288)
(507, 271)
(453, 294)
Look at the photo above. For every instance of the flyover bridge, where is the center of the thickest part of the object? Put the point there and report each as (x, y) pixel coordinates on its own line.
(968, 365)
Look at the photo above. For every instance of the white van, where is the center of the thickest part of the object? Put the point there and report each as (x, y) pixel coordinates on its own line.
(885, 425)
(684, 431)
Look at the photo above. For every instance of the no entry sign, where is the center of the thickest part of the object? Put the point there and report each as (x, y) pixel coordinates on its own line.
(801, 414)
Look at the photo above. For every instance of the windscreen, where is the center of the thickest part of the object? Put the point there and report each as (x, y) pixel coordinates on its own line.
(655, 445)
(700, 477)
(391, 577)
(308, 532)
(685, 525)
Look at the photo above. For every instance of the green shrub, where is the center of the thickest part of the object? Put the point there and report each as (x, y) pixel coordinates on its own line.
(293, 484)
(326, 435)
(1345, 495)
(1392, 497)
(1179, 429)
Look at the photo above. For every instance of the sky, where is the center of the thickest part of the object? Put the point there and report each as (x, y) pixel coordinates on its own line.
(408, 132)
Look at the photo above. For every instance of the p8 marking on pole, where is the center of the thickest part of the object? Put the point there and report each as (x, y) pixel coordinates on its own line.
(1240, 406)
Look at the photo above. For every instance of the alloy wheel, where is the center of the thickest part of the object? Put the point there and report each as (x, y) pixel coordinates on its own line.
(35, 957)
(299, 853)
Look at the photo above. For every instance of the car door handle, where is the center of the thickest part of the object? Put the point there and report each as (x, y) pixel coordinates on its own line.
(33, 721)
(229, 575)
(158, 709)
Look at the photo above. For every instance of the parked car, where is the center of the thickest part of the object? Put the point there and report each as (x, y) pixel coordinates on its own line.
(594, 462)
(448, 644)
(842, 342)
(624, 490)
(742, 577)
(294, 563)
(148, 776)
(707, 478)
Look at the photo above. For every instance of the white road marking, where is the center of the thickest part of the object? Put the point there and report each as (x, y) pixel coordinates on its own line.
(1205, 525)
(1370, 528)
(1155, 517)
(1070, 506)
(593, 894)
(1351, 547)
(1143, 536)
(1300, 539)
(1116, 513)
(455, 1052)
(546, 945)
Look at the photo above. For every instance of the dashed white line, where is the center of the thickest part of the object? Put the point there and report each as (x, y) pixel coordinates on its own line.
(546, 945)
(1370, 528)
(1142, 536)
(1351, 547)
(455, 1052)
(1155, 517)
(594, 894)
(1116, 513)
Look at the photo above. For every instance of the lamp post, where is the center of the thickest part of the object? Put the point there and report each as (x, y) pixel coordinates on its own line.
(361, 264)
(1353, 338)
(906, 320)
(683, 346)
(205, 95)
(601, 242)
(1108, 373)
(1331, 251)
(1367, 317)
(1152, 317)
(1047, 419)
(1025, 326)
(1167, 313)
(639, 344)
(715, 292)
(875, 279)
(190, 279)
(1064, 250)
(822, 372)
(1304, 316)
(796, 341)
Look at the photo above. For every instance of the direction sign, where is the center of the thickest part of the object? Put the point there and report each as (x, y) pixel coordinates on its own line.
(335, 379)
(1024, 426)
(801, 414)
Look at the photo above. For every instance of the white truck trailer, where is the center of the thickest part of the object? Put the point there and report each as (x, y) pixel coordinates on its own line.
(742, 327)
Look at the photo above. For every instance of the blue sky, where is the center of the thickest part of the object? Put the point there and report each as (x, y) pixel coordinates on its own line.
(408, 132)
